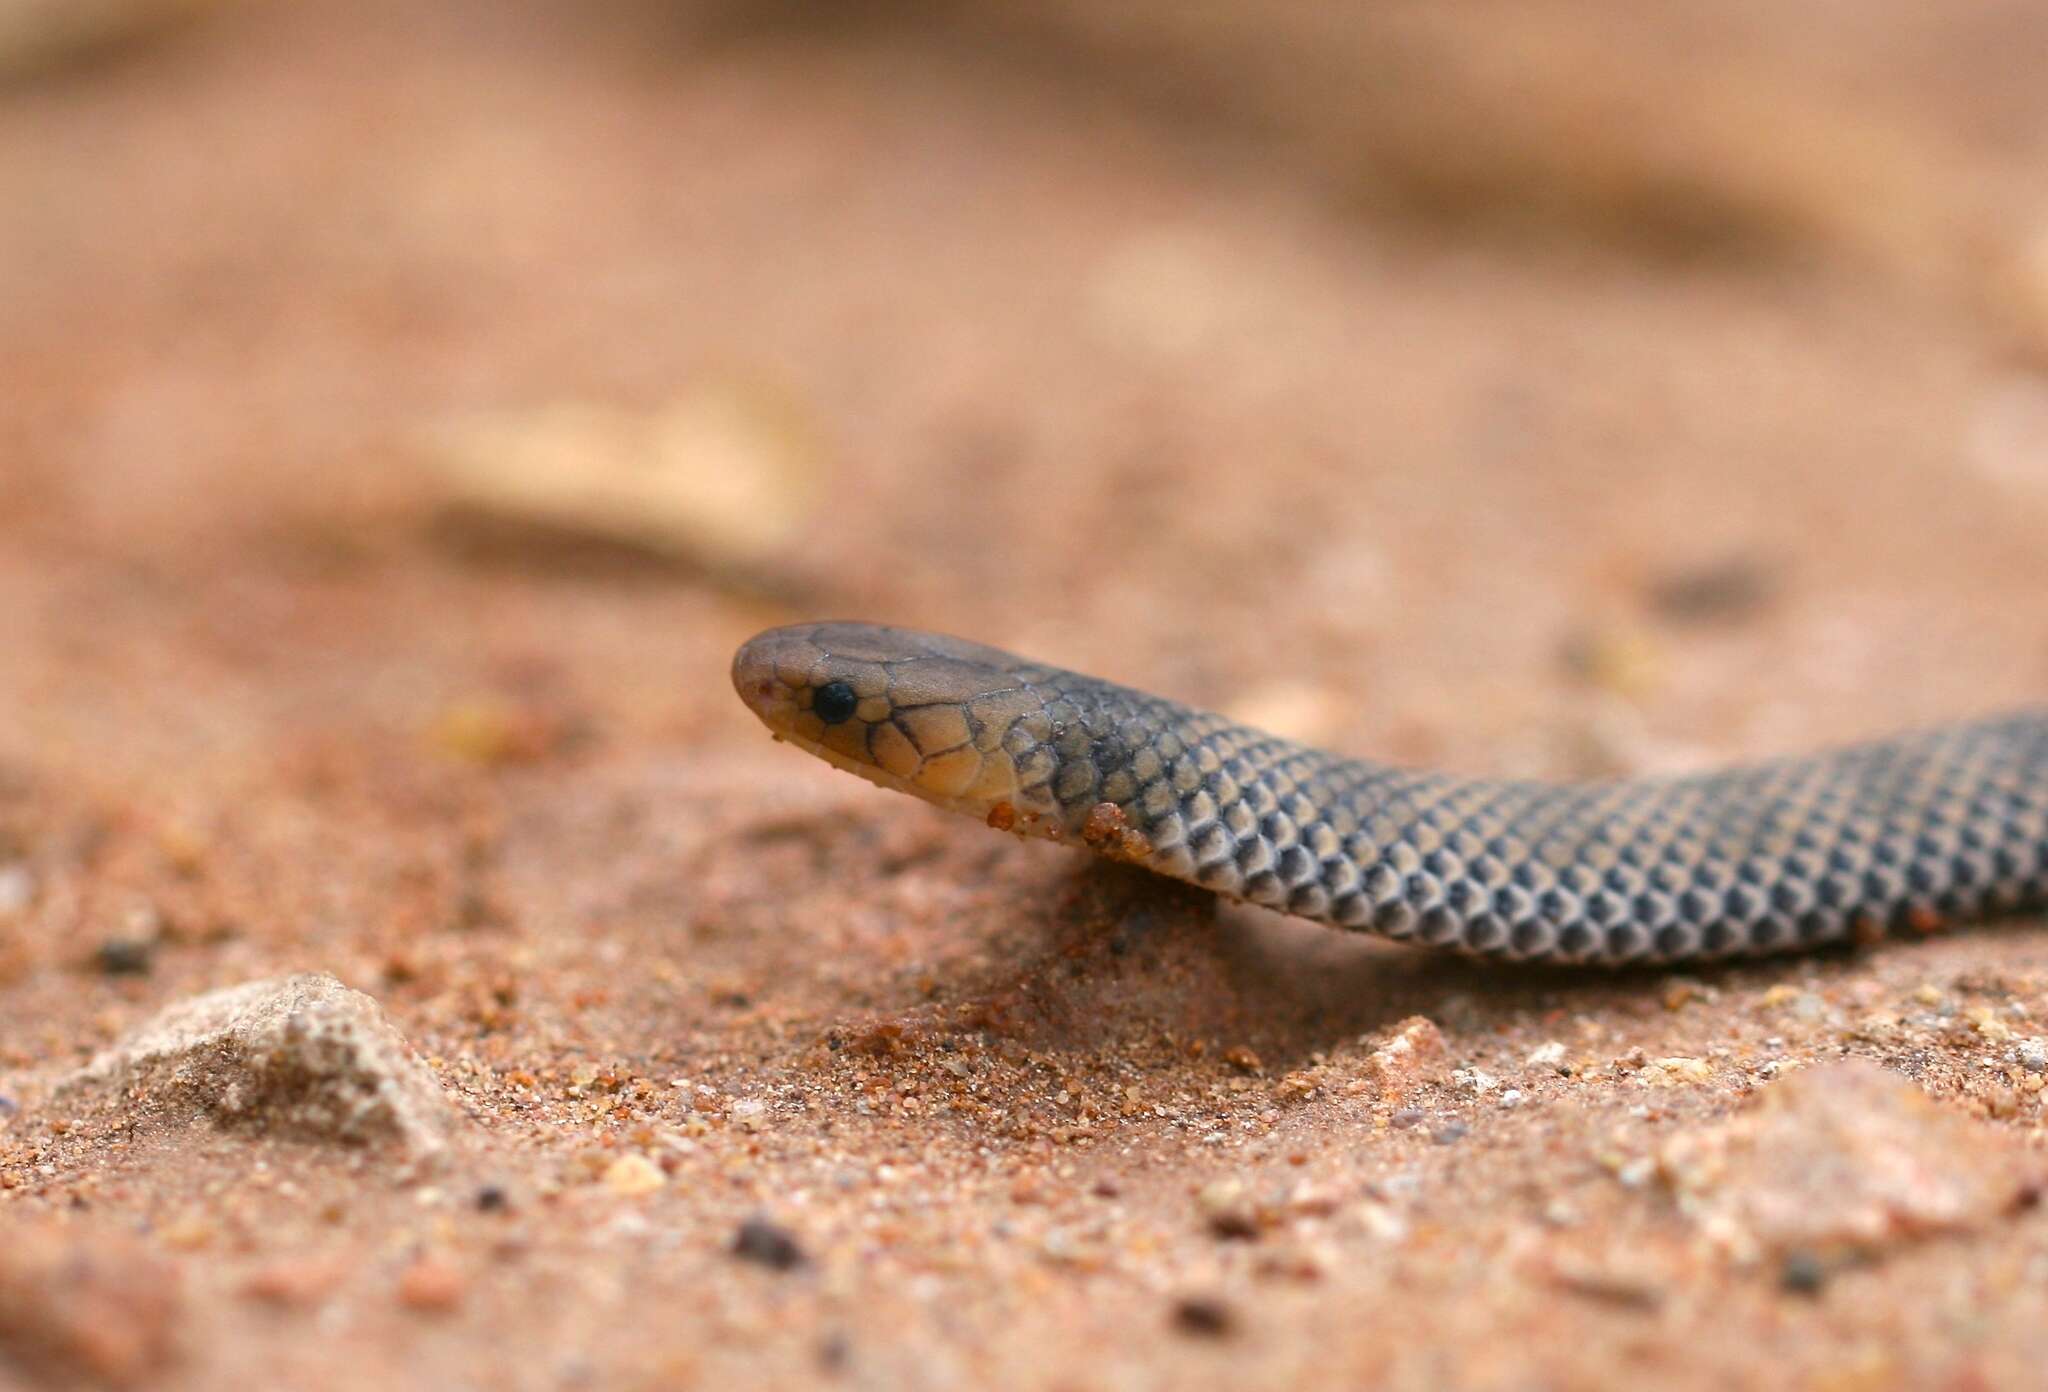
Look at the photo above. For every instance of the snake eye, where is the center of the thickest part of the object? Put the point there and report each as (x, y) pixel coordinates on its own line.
(834, 702)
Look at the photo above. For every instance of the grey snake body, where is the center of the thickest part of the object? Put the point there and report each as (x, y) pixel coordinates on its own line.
(1795, 853)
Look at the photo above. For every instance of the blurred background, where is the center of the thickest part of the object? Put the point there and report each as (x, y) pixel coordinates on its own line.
(406, 408)
(1387, 371)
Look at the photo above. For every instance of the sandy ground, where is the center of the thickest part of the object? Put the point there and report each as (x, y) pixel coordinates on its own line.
(751, 1075)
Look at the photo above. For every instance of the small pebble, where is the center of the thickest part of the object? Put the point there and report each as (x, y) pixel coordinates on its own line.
(1619, 659)
(1674, 1071)
(1204, 1316)
(772, 1246)
(1734, 588)
(1478, 1080)
(1450, 1133)
(1228, 1209)
(492, 1198)
(1413, 1052)
(1382, 1221)
(125, 956)
(431, 1286)
(2033, 1055)
(630, 1176)
(1808, 1007)
(17, 890)
(1405, 1118)
(187, 1233)
(292, 1285)
(1620, 1288)
(1802, 1272)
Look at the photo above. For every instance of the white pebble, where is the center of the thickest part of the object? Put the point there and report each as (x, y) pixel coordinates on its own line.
(17, 890)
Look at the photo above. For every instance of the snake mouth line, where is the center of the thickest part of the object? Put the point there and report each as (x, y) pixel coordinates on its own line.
(874, 774)
(1019, 814)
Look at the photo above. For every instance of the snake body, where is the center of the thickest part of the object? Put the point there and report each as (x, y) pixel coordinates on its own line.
(1791, 854)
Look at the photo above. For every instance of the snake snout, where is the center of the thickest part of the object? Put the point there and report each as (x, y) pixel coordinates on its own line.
(803, 682)
(770, 676)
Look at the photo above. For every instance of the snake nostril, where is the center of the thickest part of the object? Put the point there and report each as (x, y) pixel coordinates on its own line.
(834, 702)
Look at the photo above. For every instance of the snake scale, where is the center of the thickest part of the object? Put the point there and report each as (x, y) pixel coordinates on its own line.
(1908, 833)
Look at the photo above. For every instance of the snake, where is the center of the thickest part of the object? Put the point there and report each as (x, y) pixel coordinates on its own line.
(1901, 835)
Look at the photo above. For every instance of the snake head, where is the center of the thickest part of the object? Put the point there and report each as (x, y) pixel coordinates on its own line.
(949, 721)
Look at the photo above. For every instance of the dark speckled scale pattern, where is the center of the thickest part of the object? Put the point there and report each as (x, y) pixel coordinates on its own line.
(1945, 825)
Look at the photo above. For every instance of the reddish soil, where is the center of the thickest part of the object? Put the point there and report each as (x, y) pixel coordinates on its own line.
(768, 1077)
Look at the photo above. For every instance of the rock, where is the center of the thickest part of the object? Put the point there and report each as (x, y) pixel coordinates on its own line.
(295, 1283)
(1677, 1071)
(432, 1286)
(723, 475)
(766, 1243)
(302, 1057)
(84, 1307)
(1410, 1056)
(1845, 1160)
(630, 1176)
(1204, 1316)
(1728, 590)
(1227, 1208)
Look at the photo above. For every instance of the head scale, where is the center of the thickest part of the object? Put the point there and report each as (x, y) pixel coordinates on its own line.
(919, 712)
